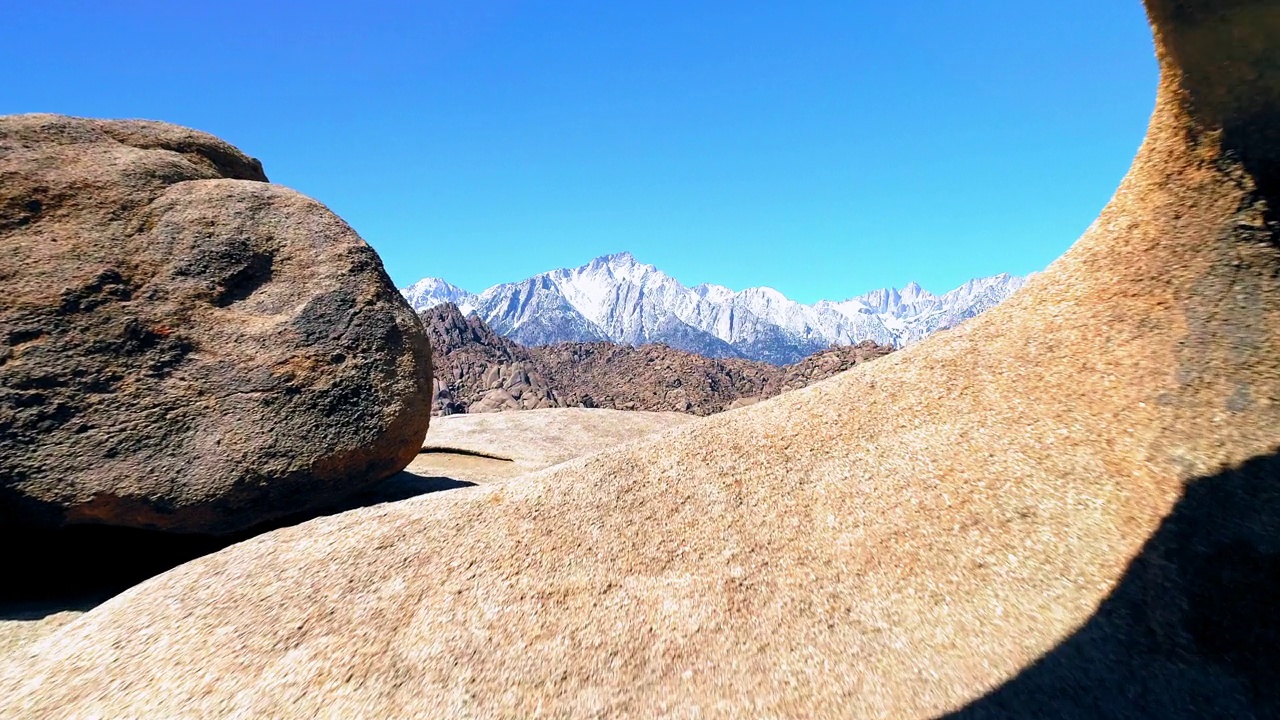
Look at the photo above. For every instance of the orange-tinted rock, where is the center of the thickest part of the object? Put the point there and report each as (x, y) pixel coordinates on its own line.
(183, 345)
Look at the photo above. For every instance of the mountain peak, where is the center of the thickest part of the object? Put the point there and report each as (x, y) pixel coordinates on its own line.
(430, 291)
(914, 293)
(619, 266)
(618, 259)
(430, 282)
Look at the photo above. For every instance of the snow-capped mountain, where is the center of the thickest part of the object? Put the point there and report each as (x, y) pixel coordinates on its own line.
(618, 298)
(429, 292)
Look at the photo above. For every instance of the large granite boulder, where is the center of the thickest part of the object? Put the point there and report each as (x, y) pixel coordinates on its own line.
(183, 345)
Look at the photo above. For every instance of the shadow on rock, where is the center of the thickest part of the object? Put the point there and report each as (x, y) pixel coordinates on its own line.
(1191, 631)
(401, 486)
(75, 568)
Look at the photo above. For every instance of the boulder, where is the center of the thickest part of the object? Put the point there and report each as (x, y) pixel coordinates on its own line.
(1068, 507)
(183, 345)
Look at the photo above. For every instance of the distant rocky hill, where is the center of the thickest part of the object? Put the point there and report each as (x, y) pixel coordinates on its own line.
(620, 299)
(478, 370)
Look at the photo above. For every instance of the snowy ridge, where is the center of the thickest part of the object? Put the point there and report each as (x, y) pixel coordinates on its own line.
(618, 298)
(429, 292)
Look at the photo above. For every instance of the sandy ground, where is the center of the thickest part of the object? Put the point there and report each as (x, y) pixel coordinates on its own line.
(486, 447)
(20, 627)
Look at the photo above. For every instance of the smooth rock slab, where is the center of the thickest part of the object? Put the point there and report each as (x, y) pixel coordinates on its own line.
(486, 447)
(184, 346)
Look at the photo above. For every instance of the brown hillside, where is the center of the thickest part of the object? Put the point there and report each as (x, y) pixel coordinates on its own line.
(657, 377)
(1016, 518)
(478, 370)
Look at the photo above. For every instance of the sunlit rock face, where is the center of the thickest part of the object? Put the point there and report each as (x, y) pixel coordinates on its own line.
(185, 346)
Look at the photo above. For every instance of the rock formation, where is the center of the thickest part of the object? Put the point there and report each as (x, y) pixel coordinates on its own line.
(184, 346)
(478, 370)
(994, 521)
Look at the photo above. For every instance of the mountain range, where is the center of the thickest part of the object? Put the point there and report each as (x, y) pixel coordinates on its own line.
(477, 370)
(620, 299)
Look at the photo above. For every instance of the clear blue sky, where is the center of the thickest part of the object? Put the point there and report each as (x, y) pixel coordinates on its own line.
(823, 147)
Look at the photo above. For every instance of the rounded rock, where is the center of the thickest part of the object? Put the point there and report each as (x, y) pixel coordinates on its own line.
(183, 345)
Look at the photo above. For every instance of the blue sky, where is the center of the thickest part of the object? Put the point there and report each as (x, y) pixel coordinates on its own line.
(824, 148)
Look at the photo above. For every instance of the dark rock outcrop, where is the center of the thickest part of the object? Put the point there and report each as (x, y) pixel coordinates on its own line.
(660, 378)
(184, 346)
(478, 370)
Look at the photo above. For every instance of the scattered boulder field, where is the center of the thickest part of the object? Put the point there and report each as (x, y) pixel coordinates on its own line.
(185, 346)
(479, 371)
(1021, 517)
